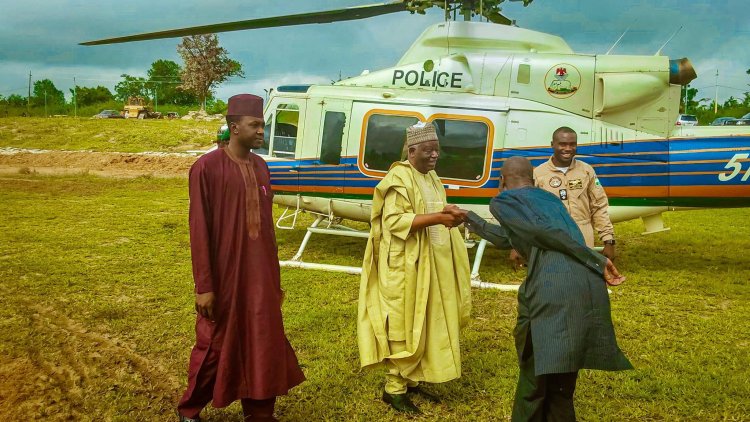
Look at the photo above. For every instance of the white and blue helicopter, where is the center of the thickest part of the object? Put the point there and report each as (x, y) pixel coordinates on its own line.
(492, 90)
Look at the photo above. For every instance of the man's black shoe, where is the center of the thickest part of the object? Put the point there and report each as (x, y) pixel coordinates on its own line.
(401, 403)
(424, 393)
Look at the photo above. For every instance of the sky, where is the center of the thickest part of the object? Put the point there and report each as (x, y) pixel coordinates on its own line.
(41, 38)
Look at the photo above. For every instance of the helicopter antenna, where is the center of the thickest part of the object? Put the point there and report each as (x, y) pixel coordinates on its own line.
(658, 52)
(448, 33)
(618, 41)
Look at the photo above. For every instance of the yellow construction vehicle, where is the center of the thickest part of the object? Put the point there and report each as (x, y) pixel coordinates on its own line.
(137, 107)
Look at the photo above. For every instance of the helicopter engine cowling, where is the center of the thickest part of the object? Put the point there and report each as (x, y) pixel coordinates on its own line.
(617, 91)
(636, 92)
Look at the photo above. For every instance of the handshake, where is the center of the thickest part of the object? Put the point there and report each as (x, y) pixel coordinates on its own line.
(452, 216)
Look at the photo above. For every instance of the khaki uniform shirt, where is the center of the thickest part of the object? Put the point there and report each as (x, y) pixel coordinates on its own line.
(582, 194)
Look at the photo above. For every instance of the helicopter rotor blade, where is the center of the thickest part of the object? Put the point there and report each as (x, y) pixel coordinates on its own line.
(328, 16)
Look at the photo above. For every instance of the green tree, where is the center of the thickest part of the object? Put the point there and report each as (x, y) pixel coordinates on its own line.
(731, 102)
(206, 65)
(45, 88)
(691, 103)
(15, 100)
(131, 86)
(89, 96)
(216, 106)
(164, 82)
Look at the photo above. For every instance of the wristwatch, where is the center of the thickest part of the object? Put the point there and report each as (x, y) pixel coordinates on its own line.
(609, 242)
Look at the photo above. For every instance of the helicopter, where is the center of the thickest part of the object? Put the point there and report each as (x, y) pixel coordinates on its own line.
(492, 90)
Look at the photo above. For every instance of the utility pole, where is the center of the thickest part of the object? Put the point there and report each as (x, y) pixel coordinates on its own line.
(716, 93)
(28, 99)
(45, 103)
(75, 98)
(686, 99)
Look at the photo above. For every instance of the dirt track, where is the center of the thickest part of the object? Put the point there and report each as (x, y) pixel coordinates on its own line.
(109, 164)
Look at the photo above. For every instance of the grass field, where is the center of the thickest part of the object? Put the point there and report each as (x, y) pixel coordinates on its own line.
(106, 135)
(96, 321)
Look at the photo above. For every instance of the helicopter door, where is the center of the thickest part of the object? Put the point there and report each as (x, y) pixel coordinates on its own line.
(326, 169)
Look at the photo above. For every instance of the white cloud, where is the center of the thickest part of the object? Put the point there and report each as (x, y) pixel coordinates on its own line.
(15, 78)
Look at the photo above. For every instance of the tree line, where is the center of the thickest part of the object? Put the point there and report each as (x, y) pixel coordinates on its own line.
(703, 108)
(205, 66)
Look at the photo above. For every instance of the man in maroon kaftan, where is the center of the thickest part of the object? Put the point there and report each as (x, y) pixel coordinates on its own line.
(241, 351)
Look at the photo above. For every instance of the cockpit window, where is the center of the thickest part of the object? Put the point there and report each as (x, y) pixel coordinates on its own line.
(285, 131)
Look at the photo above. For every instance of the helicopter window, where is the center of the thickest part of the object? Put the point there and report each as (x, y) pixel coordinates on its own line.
(384, 141)
(263, 150)
(524, 74)
(285, 131)
(463, 146)
(333, 133)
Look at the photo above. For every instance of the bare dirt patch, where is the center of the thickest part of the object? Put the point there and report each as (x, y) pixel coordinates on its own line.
(108, 164)
(76, 367)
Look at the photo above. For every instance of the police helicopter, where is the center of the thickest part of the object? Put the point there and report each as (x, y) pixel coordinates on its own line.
(492, 90)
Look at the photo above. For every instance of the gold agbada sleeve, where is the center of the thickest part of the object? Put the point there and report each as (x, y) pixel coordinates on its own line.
(412, 289)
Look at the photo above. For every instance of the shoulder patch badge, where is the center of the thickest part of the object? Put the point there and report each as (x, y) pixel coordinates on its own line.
(555, 182)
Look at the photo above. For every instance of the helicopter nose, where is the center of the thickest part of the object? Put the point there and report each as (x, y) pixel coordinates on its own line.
(681, 71)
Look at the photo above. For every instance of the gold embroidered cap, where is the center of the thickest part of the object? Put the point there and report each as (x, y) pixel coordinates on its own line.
(420, 132)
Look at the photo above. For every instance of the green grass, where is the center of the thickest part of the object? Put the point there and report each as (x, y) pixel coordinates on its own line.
(109, 135)
(96, 321)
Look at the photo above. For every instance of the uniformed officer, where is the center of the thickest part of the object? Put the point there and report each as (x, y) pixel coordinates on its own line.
(577, 186)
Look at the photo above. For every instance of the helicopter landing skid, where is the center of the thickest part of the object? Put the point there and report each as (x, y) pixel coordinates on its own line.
(331, 229)
(476, 281)
(336, 229)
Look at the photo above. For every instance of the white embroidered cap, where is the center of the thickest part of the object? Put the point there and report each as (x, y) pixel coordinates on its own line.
(420, 132)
